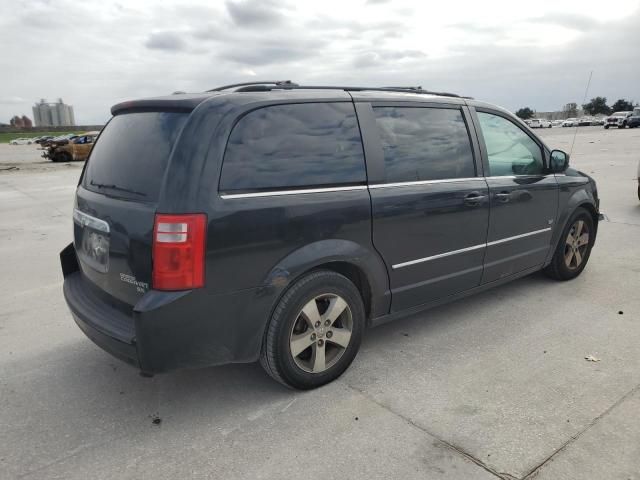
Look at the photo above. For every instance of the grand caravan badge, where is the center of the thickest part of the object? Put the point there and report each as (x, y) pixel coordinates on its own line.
(141, 287)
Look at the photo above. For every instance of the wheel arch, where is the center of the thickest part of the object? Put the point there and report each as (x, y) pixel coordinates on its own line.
(360, 264)
(580, 199)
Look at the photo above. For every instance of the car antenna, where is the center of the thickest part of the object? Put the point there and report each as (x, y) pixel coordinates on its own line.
(584, 100)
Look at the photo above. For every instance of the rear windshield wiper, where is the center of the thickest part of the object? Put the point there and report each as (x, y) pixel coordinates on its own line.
(115, 187)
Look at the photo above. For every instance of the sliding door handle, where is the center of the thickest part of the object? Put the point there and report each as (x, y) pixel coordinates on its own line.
(503, 197)
(474, 199)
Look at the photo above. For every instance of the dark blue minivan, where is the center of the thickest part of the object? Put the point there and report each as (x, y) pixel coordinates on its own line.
(276, 222)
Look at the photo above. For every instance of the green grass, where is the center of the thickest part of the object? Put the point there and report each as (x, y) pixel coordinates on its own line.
(6, 137)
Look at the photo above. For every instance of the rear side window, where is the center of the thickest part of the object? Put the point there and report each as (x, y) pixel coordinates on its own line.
(289, 146)
(424, 144)
(131, 156)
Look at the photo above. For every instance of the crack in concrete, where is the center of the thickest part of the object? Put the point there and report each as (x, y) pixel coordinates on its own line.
(503, 475)
(534, 472)
(450, 446)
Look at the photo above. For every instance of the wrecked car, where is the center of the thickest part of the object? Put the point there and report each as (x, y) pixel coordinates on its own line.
(66, 150)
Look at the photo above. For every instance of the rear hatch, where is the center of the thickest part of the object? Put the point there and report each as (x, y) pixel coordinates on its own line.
(117, 198)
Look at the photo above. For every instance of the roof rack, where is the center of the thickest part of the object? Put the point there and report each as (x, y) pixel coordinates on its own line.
(277, 83)
(289, 85)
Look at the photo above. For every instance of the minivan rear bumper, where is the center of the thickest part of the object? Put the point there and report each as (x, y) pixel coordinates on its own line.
(107, 327)
(169, 330)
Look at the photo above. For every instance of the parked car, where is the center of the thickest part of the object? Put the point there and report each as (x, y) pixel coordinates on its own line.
(21, 141)
(557, 123)
(539, 123)
(570, 122)
(586, 121)
(42, 139)
(638, 180)
(618, 119)
(59, 140)
(634, 120)
(77, 148)
(275, 223)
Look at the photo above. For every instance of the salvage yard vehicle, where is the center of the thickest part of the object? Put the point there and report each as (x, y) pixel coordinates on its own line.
(77, 148)
(539, 123)
(60, 140)
(617, 119)
(638, 180)
(586, 121)
(634, 120)
(21, 141)
(275, 222)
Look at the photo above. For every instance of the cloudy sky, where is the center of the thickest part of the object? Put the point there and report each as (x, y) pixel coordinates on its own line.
(94, 53)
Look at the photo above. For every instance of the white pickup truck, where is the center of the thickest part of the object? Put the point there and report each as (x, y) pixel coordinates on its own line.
(617, 119)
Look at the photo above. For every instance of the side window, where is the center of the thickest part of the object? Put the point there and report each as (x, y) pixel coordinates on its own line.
(510, 150)
(424, 144)
(285, 146)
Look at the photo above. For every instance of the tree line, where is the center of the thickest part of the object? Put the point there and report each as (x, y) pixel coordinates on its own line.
(595, 106)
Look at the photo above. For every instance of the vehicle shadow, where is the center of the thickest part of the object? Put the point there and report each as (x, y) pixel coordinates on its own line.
(77, 390)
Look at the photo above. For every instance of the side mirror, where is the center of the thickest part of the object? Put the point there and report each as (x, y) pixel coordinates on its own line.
(558, 161)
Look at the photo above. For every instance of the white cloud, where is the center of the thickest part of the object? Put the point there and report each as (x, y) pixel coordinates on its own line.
(513, 53)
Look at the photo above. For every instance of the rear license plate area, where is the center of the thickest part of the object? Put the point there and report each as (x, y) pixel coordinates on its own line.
(92, 241)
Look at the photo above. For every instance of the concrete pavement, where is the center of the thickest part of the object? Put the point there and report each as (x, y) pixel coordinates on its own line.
(493, 386)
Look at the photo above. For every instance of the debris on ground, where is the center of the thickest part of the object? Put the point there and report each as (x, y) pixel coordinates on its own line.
(591, 358)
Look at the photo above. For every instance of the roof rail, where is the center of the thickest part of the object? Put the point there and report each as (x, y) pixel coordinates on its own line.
(278, 83)
(289, 85)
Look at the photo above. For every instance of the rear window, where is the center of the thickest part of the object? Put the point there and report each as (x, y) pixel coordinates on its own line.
(130, 157)
(289, 146)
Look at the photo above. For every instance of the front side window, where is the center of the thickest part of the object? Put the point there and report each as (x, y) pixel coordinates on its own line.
(293, 146)
(424, 144)
(510, 150)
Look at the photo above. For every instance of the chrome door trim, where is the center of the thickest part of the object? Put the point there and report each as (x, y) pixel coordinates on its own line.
(302, 191)
(498, 177)
(422, 182)
(435, 257)
(469, 249)
(516, 237)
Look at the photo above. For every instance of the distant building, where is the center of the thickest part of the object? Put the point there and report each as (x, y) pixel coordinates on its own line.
(53, 114)
(16, 121)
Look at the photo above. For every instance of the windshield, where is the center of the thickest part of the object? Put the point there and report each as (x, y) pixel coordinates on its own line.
(130, 157)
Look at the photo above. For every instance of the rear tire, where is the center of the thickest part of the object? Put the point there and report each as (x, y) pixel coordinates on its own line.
(315, 331)
(574, 247)
(606, 127)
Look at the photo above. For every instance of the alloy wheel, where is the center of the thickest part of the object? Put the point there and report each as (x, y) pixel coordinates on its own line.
(576, 245)
(321, 333)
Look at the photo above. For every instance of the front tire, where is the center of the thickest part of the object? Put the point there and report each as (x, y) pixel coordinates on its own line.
(315, 331)
(606, 127)
(574, 248)
(62, 157)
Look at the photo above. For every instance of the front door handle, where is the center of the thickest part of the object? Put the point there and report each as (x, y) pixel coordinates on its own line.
(474, 199)
(503, 197)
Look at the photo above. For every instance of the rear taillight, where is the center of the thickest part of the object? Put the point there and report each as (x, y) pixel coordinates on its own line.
(179, 251)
